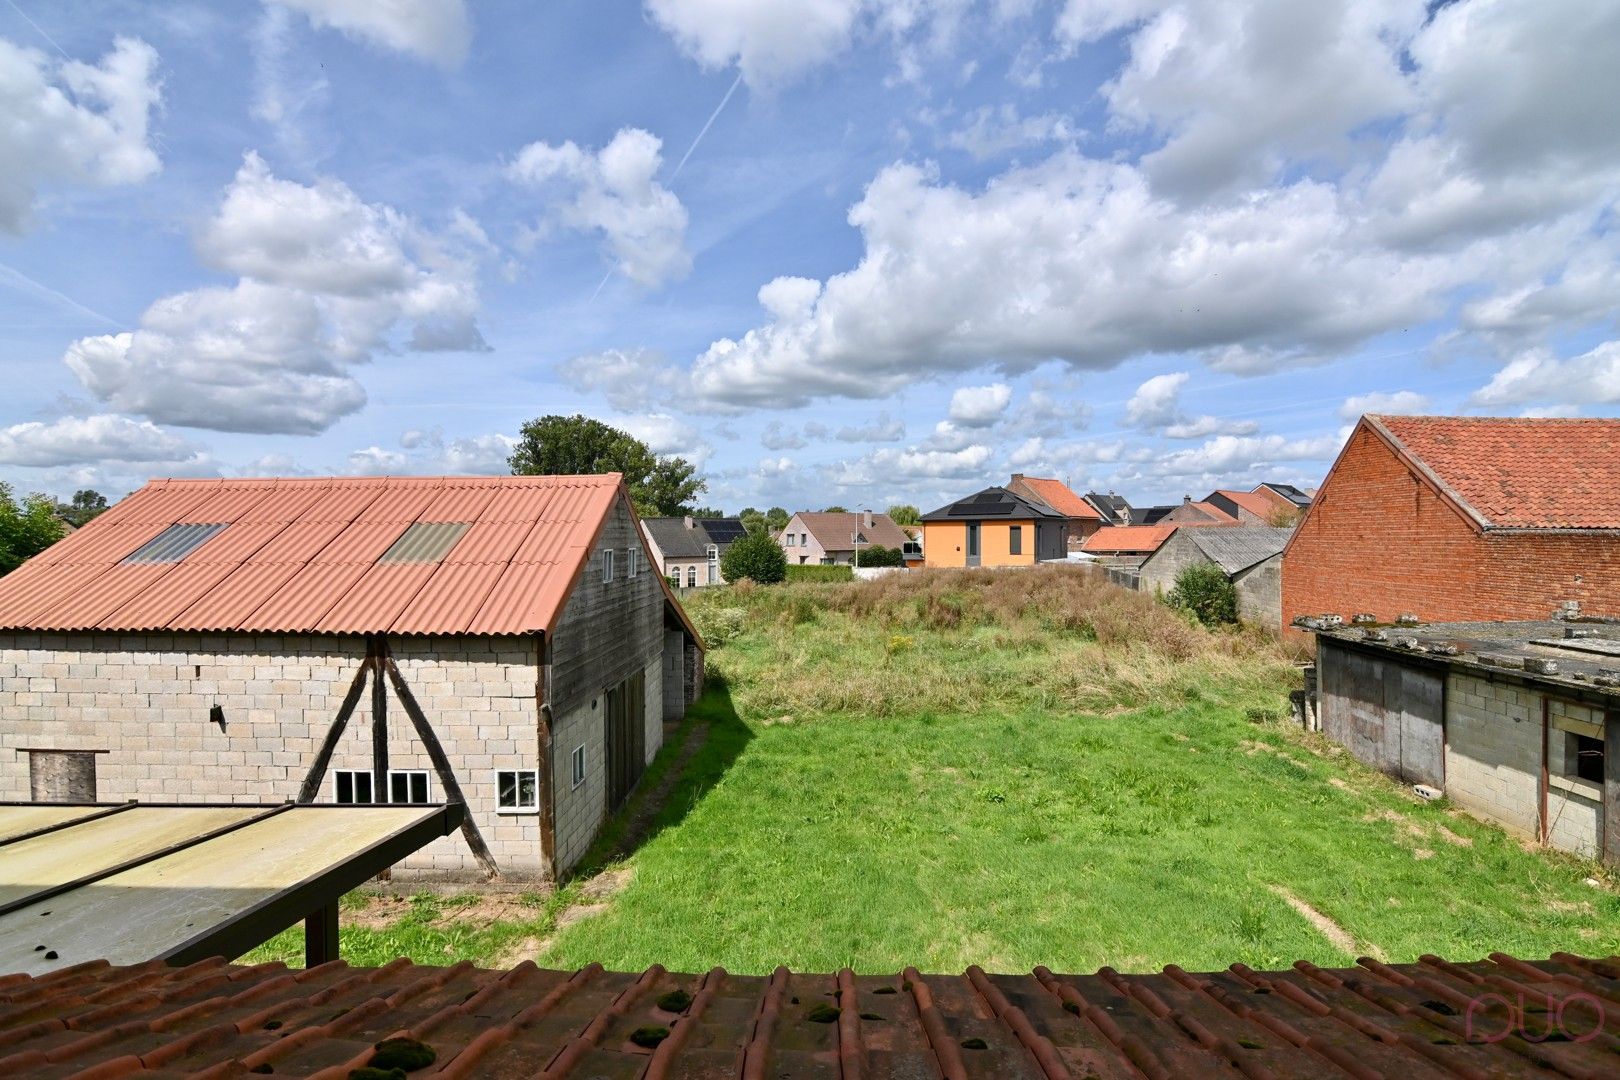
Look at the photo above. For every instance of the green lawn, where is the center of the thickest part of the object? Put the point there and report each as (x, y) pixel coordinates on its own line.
(1010, 833)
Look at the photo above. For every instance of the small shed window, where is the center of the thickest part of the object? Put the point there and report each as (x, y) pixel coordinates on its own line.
(579, 765)
(517, 790)
(1015, 540)
(173, 544)
(408, 786)
(632, 562)
(351, 786)
(607, 564)
(1587, 755)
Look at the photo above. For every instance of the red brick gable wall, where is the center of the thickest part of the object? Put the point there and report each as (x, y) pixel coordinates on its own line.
(1380, 540)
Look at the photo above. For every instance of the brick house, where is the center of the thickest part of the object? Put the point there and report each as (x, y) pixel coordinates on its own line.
(1518, 722)
(1081, 519)
(813, 538)
(497, 641)
(1462, 519)
(687, 550)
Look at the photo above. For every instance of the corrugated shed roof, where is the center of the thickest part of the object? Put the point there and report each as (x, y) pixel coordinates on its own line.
(490, 555)
(1132, 539)
(1238, 547)
(1411, 1021)
(1057, 495)
(1519, 472)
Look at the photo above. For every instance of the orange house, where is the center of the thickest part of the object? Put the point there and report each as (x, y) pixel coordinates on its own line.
(994, 527)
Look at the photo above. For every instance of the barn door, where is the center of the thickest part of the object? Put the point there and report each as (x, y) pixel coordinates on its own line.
(625, 737)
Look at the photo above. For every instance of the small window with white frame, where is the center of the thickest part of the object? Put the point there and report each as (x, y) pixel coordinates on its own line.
(408, 786)
(579, 765)
(632, 562)
(351, 787)
(607, 564)
(517, 791)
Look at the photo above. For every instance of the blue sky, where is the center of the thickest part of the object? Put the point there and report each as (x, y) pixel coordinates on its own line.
(914, 245)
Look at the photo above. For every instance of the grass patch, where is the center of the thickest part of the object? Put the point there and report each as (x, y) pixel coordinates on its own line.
(1026, 768)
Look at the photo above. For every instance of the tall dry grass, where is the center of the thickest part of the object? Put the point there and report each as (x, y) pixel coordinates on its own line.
(1052, 638)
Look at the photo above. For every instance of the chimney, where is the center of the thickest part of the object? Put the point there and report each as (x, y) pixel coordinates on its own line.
(1186, 500)
(866, 519)
(688, 520)
(1017, 476)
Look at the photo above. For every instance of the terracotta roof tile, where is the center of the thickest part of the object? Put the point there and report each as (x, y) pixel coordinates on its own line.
(1408, 1020)
(1137, 539)
(302, 554)
(1257, 503)
(1057, 495)
(1521, 473)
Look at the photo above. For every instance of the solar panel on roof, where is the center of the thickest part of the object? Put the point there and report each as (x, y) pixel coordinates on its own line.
(173, 544)
(999, 508)
(723, 531)
(425, 541)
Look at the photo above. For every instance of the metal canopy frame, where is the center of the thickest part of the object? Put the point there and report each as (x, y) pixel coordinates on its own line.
(314, 899)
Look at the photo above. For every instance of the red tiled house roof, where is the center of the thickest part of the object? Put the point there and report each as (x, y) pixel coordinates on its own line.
(1432, 1018)
(1057, 495)
(1517, 473)
(1127, 539)
(313, 555)
(1259, 504)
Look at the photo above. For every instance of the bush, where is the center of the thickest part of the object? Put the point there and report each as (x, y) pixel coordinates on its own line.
(878, 555)
(1205, 591)
(718, 625)
(756, 557)
(812, 572)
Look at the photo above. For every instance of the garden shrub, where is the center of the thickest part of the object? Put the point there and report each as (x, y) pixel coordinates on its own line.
(878, 555)
(756, 557)
(1205, 590)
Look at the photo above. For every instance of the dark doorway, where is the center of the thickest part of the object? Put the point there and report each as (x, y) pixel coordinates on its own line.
(625, 737)
(973, 543)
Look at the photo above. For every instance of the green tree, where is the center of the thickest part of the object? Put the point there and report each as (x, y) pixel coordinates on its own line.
(777, 518)
(84, 507)
(834, 510)
(905, 514)
(756, 557)
(1205, 590)
(565, 445)
(26, 528)
(752, 520)
(878, 555)
(703, 512)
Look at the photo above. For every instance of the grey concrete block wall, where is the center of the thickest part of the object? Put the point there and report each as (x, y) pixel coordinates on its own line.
(145, 699)
(1493, 750)
(1259, 593)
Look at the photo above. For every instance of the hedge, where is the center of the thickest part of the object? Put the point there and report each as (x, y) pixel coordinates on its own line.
(817, 572)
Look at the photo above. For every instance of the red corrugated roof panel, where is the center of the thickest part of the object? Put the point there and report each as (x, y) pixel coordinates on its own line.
(1521, 472)
(1261, 505)
(1134, 539)
(302, 555)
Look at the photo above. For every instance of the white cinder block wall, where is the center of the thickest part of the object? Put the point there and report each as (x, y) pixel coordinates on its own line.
(145, 700)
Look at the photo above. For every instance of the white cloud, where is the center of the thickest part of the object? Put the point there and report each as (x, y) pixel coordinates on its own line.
(990, 132)
(429, 453)
(613, 192)
(903, 467)
(881, 428)
(1396, 403)
(375, 461)
(68, 122)
(770, 43)
(776, 436)
(951, 280)
(325, 279)
(1156, 407)
(1540, 377)
(666, 435)
(434, 30)
(980, 406)
(85, 440)
(630, 379)
(1231, 454)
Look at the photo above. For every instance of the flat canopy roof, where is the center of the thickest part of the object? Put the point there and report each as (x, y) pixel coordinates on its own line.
(130, 882)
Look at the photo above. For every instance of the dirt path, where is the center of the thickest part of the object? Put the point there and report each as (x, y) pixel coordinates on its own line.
(1329, 929)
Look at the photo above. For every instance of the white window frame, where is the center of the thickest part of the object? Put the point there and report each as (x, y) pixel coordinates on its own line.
(352, 774)
(691, 576)
(427, 786)
(713, 554)
(632, 562)
(578, 760)
(792, 540)
(517, 787)
(607, 565)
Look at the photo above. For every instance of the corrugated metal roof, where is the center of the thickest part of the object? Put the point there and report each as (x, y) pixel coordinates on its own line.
(424, 555)
(1134, 539)
(1409, 1021)
(1238, 547)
